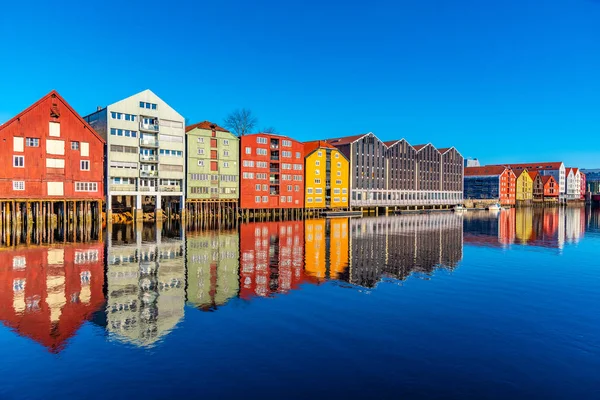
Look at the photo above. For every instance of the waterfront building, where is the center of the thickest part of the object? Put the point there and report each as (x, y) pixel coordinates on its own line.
(573, 184)
(555, 169)
(592, 179)
(212, 168)
(272, 173)
(47, 293)
(51, 161)
(545, 188)
(491, 183)
(145, 153)
(524, 192)
(396, 174)
(472, 162)
(326, 177)
(212, 268)
(583, 185)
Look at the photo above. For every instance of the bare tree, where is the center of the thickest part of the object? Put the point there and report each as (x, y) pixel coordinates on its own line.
(269, 129)
(241, 122)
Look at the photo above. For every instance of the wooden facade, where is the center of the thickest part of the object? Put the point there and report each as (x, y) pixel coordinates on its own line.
(490, 183)
(326, 177)
(271, 172)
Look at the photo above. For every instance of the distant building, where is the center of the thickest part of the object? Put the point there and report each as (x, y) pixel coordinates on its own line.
(145, 150)
(555, 169)
(472, 162)
(524, 193)
(491, 183)
(592, 177)
(573, 178)
(326, 176)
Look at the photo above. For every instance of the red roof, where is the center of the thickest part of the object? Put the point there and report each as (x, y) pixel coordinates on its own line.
(309, 147)
(533, 174)
(547, 178)
(205, 125)
(490, 170)
(53, 93)
(419, 147)
(345, 140)
(533, 166)
(390, 143)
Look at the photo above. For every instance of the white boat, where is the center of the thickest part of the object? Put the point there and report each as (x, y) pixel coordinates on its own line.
(494, 207)
(459, 208)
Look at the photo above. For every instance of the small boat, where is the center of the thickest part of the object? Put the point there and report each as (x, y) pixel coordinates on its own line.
(459, 208)
(494, 207)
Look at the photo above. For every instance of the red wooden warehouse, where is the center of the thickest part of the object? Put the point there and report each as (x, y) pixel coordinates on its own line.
(271, 173)
(50, 160)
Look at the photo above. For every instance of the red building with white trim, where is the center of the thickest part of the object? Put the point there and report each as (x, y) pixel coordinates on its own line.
(49, 152)
(271, 172)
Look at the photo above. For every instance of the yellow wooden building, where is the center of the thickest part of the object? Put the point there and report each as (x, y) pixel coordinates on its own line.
(524, 187)
(326, 183)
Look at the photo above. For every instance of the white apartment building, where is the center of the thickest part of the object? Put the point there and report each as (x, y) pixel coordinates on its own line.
(145, 150)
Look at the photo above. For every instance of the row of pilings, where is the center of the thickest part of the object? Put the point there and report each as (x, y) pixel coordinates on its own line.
(49, 221)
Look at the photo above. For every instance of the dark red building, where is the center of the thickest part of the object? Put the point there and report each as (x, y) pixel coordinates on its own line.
(271, 172)
(49, 152)
(46, 293)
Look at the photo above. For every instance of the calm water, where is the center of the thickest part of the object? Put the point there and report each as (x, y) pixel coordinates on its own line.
(471, 306)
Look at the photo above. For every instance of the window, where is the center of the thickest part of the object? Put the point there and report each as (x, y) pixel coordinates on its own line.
(289, 188)
(309, 200)
(317, 163)
(286, 143)
(85, 165)
(200, 140)
(336, 191)
(296, 188)
(200, 163)
(297, 154)
(289, 199)
(338, 181)
(74, 145)
(32, 142)
(309, 190)
(261, 152)
(339, 173)
(19, 161)
(225, 142)
(339, 165)
(317, 181)
(257, 187)
(149, 106)
(337, 155)
(18, 185)
(88, 186)
(226, 153)
(257, 199)
(265, 199)
(319, 191)
(283, 199)
(265, 188)
(225, 164)
(200, 152)
(261, 140)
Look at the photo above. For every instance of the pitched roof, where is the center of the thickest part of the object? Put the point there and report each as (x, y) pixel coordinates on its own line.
(53, 93)
(345, 139)
(390, 143)
(205, 125)
(309, 147)
(419, 147)
(533, 174)
(532, 166)
(547, 178)
(490, 170)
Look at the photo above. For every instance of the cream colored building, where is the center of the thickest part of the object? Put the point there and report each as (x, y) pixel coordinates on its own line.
(145, 154)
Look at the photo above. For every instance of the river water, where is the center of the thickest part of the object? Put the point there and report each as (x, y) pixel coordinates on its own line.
(444, 305)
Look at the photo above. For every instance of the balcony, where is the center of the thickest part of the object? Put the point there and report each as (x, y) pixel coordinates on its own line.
(274, 181)
(147, 189)
(170, 188)
(274, 170)
(148, 174)
(149, 142)
(148, 127)
(148, 158)
(274, 146)
(274, 158)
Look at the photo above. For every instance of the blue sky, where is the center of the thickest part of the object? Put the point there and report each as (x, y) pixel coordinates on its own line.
(511, 80)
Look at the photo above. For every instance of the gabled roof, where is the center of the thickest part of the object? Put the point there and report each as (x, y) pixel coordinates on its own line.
(346, 139)
(419, 146)
(390, 143)
(533, 174)
(206, 125)
(310, 147)
(547, 178)
(37, 103)
(490, 170)
(548, 166)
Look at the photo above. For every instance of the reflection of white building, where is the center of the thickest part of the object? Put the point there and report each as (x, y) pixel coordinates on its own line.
(146, 289)
(574, 224)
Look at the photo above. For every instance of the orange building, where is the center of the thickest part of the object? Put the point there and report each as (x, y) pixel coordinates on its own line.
(46, 293)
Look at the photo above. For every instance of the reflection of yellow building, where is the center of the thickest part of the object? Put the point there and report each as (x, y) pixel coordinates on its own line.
(524, 187)
(338, 246)
(524, 224)
(326, 259)
(212, 264)
(327, 177)
(314, 247)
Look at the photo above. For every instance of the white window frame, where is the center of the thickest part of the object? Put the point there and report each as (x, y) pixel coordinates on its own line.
(82, 165)
(22, 158)
(18, 185)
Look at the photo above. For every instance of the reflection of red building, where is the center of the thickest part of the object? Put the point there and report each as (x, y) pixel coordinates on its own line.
(46, 293)
(506, 226)
(271, 257)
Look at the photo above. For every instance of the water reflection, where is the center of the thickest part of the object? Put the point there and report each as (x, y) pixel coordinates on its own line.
(138, 291)
(212, 268)
(145, 284)
(48, 292)
(537, 226)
